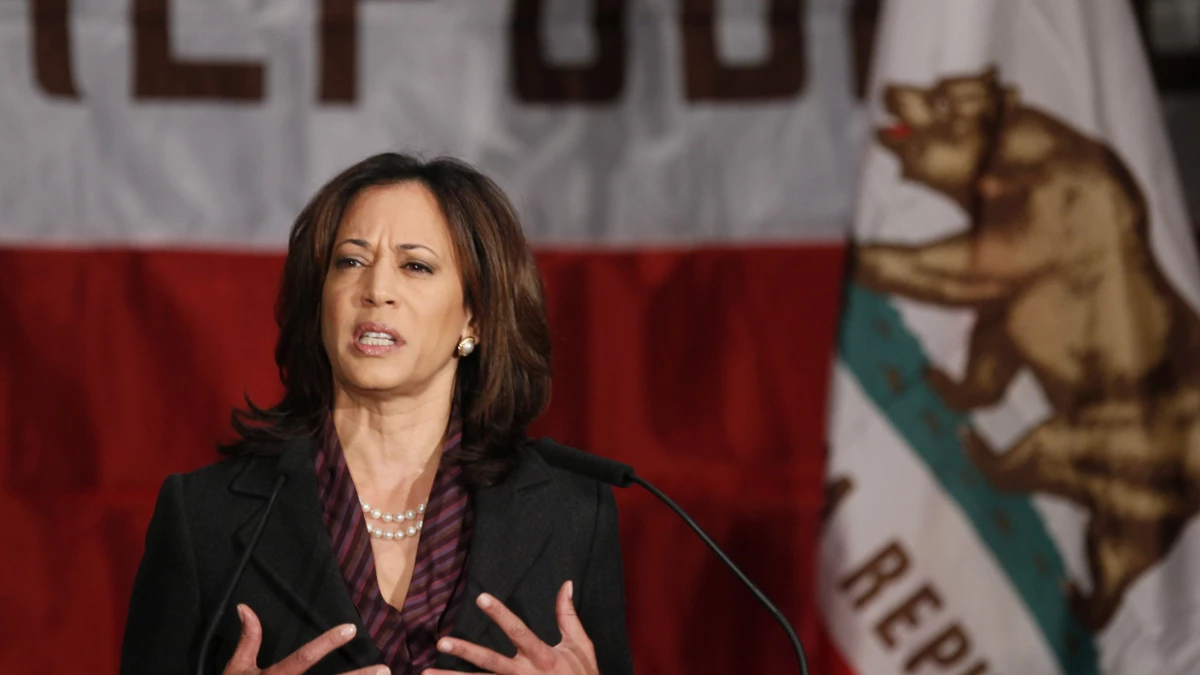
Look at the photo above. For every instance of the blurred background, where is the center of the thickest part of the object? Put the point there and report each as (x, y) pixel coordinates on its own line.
(694, 176)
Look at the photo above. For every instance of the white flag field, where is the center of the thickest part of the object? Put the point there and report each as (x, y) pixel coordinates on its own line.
(1015, 434)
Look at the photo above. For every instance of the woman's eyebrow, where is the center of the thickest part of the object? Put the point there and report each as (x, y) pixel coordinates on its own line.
(356, 242)
(409, 247)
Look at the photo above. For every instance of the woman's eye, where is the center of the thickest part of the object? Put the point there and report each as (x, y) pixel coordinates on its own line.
(418, 267)
(343, 263)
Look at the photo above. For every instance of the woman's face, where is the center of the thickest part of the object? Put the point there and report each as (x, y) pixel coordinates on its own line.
(392, 310)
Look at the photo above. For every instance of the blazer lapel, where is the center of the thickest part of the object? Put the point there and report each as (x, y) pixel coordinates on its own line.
(294, 551)
(513, 523)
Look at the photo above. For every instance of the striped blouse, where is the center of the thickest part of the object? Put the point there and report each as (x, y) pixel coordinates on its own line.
(406, 637)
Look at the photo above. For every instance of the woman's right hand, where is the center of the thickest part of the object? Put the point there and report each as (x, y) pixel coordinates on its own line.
(245, 657)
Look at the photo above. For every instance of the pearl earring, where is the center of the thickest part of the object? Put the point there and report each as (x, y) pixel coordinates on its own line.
(466, 346)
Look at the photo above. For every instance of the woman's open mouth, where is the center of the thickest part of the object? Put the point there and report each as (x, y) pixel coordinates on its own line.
(374, 339)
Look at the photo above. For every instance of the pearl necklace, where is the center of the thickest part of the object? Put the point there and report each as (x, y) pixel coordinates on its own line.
(394, 535)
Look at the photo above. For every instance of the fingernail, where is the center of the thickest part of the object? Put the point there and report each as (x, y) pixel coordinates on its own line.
(384, 671)
(446, 646)
(349, 630)
(485, 600)
(241, 610)
(570, 590)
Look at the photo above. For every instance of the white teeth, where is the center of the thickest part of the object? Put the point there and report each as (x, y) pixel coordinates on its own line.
(373, 338)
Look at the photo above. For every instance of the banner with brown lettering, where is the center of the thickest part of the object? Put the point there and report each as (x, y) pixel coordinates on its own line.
(685, 169)
(615, 122)
(1013, 476)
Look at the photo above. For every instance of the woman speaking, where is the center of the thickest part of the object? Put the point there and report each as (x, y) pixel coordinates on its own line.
(408, 525)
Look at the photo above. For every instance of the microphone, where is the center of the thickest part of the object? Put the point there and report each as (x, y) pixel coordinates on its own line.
(586, 464)
(622, 475)
(237, 575)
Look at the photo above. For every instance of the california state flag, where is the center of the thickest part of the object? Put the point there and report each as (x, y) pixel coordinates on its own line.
(1015, 437)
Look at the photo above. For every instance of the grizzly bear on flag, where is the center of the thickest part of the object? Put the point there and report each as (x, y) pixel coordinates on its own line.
(1057, 266)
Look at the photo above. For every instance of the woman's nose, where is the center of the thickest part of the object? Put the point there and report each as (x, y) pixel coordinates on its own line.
(373, 299)
(378, 289)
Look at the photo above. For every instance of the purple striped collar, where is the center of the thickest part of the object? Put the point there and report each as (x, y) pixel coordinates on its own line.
(406, 637)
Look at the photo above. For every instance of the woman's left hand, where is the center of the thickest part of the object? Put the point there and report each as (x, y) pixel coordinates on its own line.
(574, 655)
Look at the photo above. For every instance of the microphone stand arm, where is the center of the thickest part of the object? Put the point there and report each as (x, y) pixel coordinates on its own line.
(729, 563)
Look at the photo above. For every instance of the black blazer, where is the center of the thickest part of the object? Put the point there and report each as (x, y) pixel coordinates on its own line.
(533, 531)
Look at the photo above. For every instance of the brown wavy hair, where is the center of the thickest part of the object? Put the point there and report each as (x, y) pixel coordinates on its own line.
(499, 389)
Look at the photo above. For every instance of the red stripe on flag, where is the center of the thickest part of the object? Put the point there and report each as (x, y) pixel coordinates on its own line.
(706, 369)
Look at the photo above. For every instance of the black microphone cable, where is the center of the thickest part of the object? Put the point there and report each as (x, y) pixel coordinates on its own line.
(762, 597)
(622, 475)
(237, 575)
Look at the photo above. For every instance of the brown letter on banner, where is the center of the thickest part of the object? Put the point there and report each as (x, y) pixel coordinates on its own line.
(864, 25)
(537, 81)
(906, 613)
(945, 649)
(52, 48)
(708, 79)
(158, 75)
(889, 564)
(337, 51)
(979, 669)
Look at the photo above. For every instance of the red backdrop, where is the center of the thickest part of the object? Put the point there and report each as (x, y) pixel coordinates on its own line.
(705, 369)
